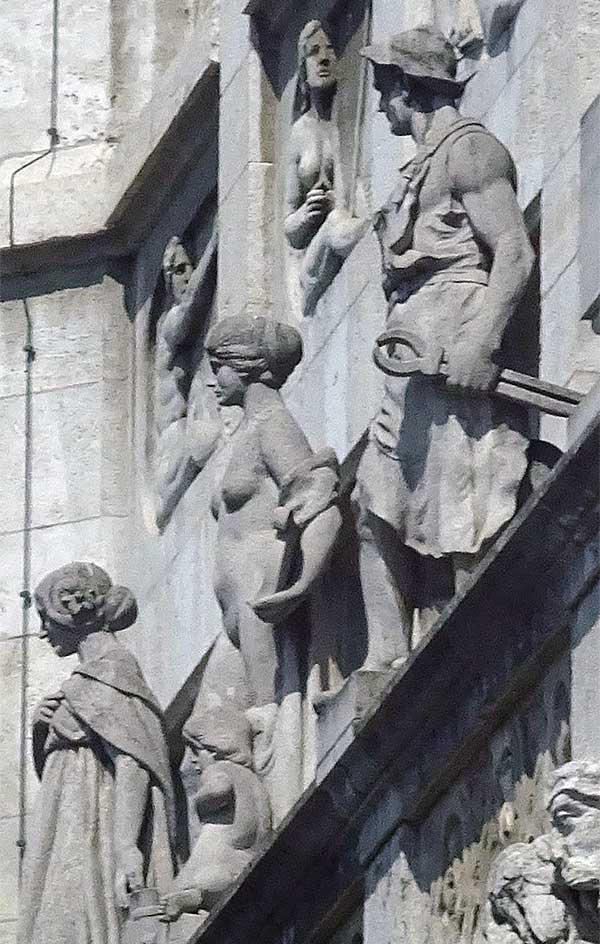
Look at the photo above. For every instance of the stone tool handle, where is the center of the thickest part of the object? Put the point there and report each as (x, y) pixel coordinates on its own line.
(512, 385)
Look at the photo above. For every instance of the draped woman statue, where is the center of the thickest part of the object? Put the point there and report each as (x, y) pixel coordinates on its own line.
(105, 820)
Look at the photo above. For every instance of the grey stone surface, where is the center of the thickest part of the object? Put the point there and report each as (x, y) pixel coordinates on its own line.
(339, 713)
(496, 16)
(589, 244)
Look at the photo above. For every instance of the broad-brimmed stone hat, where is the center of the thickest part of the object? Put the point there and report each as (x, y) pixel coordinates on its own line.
(422, 53)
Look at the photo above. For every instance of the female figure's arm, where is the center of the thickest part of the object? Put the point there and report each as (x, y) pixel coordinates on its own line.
(304, 212)
(132, 785)
(311, 518)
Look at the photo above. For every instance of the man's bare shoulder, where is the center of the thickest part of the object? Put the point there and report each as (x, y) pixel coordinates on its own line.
(478, 159)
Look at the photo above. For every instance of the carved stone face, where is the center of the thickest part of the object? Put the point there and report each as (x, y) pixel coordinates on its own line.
(201, 759)
(63, 641)
(321, 61)
(392, 100)
(229, 387)
(178, 273)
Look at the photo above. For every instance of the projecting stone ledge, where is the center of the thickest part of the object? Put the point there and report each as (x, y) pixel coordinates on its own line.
(490, 648)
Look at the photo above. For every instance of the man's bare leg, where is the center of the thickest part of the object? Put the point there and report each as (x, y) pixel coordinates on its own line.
(387, 584)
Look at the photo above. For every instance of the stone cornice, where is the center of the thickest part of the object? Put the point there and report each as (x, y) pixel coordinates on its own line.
(109, 206)
(488, 651)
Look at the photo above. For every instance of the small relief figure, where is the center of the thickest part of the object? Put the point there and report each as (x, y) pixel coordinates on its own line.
(232, 807)
(318, 219)
(276, 509)
(546, 891)
(441, 472)
(183, 441)
(105, 823)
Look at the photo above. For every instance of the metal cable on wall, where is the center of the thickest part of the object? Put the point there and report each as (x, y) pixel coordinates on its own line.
(29, 352)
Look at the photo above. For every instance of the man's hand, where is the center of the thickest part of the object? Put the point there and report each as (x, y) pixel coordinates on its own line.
(129, 875)
(44, 711)
(471, 369)
(319, 203)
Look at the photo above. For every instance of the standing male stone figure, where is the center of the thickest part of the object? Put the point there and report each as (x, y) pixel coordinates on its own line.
(442, 468)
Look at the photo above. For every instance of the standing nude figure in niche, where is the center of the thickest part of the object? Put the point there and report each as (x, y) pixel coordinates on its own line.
(317, 219)
(276, 507)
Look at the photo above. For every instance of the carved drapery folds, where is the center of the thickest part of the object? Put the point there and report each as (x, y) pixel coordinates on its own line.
(106, 819)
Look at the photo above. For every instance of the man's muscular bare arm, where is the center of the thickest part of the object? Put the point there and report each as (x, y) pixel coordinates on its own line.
(180, 320)
(482, 175)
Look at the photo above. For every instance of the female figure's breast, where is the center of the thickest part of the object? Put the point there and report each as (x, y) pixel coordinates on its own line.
(316, 163)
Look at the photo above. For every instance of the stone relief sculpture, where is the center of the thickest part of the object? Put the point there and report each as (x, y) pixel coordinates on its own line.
(318, 218)
(232, 806)
(496, 17)
(442, 469)
(183, 442)
(548, 890)
(276, 508)
(105, 821)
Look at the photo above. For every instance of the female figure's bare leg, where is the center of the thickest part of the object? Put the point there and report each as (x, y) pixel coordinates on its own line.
(258, 649)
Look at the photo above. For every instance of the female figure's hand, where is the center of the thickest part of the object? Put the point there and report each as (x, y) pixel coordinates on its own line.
(44, 711)
(129, 875)
(319, 203)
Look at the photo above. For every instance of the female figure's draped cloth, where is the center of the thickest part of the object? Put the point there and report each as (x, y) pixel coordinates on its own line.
(68, 894)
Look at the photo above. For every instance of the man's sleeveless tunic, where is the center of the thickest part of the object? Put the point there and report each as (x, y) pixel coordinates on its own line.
(442, 469)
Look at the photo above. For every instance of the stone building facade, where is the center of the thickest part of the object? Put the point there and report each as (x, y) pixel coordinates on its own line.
(126, 124)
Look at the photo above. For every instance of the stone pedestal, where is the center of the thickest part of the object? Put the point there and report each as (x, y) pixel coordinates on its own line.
(339, 713)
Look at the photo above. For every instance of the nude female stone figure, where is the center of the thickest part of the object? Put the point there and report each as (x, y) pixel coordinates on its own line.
(276, 507)
(317, 217)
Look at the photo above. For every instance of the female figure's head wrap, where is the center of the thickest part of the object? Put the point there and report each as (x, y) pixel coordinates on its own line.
(223, 730)
(259, 348)
(81, 597)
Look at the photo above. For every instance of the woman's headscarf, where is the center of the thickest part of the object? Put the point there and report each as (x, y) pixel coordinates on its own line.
(260, 347)
(81, 597)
